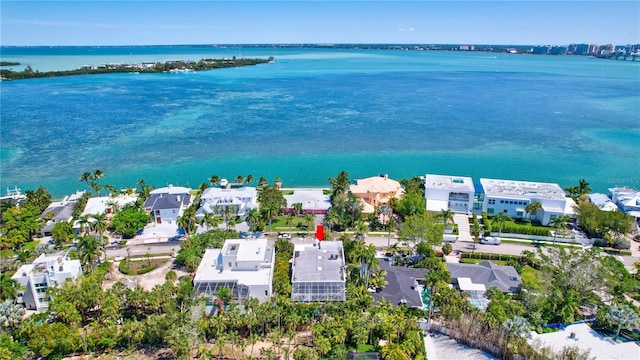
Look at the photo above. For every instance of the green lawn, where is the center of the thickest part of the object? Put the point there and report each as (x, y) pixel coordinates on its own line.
(531, 278)
(477, 261)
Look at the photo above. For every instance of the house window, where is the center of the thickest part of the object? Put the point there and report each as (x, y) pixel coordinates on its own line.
(490, 211)
(519, 213)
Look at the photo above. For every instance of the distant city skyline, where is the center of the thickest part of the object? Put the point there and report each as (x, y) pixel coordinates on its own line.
(53, 23)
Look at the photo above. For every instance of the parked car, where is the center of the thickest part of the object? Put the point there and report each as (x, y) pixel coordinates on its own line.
(490, 240)
(284, 236)
(449, 238)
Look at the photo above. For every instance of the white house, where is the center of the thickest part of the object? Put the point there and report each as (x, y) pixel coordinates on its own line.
(603, 202)
(245, 266)
(167, 204)
(238, 200)
(44, 272)
(627, 199)
(511, 197)
(318, 272)
(313, 201)
(445, 192)
(107, 204)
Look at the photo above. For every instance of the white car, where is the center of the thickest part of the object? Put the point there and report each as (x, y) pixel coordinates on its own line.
(284, 236)
(490, 240)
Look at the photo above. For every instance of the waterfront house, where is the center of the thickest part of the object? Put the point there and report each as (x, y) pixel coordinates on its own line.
(237, 200)
(627, 199)
(107, 204)
(59, 211)
(167, 204)
(445, 192)
(376, 190)
(603, 202)
(313, 201)
(318, 272)
(511, 197)
(245, 266)
(46, 271)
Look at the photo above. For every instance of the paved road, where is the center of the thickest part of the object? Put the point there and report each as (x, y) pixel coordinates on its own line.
(380, 242)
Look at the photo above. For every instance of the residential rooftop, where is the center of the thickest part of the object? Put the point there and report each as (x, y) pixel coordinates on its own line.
(448, 182)
(320, 261)
(522, 189)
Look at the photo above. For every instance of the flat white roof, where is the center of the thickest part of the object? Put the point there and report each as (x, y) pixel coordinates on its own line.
(209, 271)
(437, 205)
(253, 249)
(459, 183)
(98, 205)
(310, 199)
(599, 346)
(522, 189)
(217, 192)
(319, 262)
(465, 284)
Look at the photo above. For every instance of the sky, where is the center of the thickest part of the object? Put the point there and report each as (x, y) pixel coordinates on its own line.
(512, 22)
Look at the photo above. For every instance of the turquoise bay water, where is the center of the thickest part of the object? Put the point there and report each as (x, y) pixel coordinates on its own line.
(318, 111)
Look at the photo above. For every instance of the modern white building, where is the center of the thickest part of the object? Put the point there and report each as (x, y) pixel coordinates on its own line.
(445, 192)
(218, 199)
(46, 271)
(511, 197)
(245, 266)
(167, 204)
(319, 272)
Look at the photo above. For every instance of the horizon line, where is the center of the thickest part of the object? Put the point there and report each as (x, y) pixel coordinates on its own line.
(323, 44)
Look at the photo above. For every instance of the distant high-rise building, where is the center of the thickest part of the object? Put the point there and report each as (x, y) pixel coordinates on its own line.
(541, 50)
(558, 50)
(579, 49)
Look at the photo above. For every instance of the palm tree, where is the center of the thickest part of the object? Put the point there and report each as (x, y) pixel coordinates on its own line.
(209, 220)
(269, 212)
(85, 224)
(339, 184)
(501, 218)
(8, 287)
(533, 208)
(253, 217)
(225, 294)
(516, 327)
(289, 220)
(298, 208)
(310, 219)
(622, 316)
(214, 179)
(386, 212)
(446, 215)
(22, 257)
(559, 222)
(240, 179)
(249, 179)
(583, 187)
(89, 250)
(188, 220)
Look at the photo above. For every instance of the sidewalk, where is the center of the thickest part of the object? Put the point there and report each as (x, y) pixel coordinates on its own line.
(464, 232)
